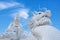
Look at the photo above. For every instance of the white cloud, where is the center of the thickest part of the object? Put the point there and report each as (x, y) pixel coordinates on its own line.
(22, 12)
(4, 5)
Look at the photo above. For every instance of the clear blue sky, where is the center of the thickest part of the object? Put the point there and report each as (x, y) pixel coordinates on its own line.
(33, 5)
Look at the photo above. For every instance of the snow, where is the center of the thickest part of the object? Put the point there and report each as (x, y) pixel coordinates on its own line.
(46, 32)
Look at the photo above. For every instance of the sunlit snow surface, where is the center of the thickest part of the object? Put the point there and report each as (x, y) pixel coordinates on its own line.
(46, 32)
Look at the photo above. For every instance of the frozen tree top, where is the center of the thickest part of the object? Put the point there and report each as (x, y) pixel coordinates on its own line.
(40, 18)
(14, 31)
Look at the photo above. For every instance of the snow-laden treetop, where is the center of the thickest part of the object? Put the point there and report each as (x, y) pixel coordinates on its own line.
(40, 18)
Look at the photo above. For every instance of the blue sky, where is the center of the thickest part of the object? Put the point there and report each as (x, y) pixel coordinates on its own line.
(9, 7)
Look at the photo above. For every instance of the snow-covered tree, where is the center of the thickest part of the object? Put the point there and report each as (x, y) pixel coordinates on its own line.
(41, 28)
